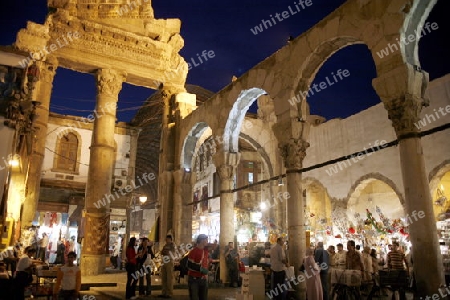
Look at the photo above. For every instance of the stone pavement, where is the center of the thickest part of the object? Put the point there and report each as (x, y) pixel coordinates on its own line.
(180, 291)
(120, 277)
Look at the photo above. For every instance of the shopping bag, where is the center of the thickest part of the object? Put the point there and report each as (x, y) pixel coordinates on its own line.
(290, 273)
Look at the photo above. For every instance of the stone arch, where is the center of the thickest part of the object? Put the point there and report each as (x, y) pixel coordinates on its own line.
(413, 25)
(236, 116)
(437, 173)
(190, 142)
(364, 180)
(318, 210)
(436, 176)
(264, 155)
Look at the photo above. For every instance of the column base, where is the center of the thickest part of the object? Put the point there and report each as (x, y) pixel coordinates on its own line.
(92, 264)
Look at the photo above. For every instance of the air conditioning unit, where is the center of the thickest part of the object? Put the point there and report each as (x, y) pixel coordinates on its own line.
(120, 183)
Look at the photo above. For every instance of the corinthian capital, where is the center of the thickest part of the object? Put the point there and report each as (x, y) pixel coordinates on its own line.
(293, 153)
(226, 163)
(109, 82)
(404, 113)
(402, 91)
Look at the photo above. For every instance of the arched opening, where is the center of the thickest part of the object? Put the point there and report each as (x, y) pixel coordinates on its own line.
(441, 196)
(318, 212)
(375, 216)
(343, 85)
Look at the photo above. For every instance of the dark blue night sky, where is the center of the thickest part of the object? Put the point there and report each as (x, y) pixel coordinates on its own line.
(225, 28)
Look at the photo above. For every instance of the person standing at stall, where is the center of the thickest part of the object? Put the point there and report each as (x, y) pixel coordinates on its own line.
(24, 271)
(144, 251)
(167, 268)
(130, 292)
(68, 280)
(278, 264)
(232, 261)
(323, 260)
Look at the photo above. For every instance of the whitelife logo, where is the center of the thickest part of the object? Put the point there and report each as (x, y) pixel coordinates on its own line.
(340, 75)
(429, 118)
(298, 7)
(392, 47)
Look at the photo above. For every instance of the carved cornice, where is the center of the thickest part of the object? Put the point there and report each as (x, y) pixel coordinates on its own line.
(109, 82)
(293, 153)
(147, 59)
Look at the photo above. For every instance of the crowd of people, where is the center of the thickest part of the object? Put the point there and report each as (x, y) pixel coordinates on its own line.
(366, 261)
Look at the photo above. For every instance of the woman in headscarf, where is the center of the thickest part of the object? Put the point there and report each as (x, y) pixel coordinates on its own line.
(312, 272)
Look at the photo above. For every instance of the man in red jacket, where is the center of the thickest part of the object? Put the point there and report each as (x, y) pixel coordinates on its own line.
(198, 265)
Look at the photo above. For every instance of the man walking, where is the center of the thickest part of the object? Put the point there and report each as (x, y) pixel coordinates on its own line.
(278, 264)
(323, 260)
(396, 259)
(198, 265)
(167, 268)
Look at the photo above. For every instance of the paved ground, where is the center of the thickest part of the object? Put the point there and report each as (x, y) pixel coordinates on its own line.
(180, 291)
(120, 277)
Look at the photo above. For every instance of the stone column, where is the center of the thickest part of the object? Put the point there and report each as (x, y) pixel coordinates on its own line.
(289, 133)
(185, 103)
(109, 84)
(293, 153)
(166, 165)
(182, 214)
(41, 93)
(226, 164)
(402, 92)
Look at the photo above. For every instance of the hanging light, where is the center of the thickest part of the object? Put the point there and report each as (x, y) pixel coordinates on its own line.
(262, 205)
(142, 199)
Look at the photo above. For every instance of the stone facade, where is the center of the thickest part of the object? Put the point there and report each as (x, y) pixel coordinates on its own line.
(285, 79)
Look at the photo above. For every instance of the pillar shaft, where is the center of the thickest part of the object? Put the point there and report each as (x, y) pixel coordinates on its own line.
(182, 214)
(226, 164)
(293, 153)
(166, 165)
(42, 93)
(402, 92)
(109, 84)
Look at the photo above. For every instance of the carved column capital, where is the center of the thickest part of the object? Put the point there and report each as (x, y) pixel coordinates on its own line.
(226, 163)
(109, 82)
(402, 91)
(47, 69)
(293, 153)
(404, 113)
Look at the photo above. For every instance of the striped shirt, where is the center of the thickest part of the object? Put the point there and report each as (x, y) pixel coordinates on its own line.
(395, 260)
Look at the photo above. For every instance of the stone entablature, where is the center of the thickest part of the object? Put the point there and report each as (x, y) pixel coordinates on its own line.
(147, 50)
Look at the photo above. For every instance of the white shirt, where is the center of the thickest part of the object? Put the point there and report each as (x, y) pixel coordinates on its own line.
(24, 263)
(277, 256)
(340, 258)
(69, 279)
